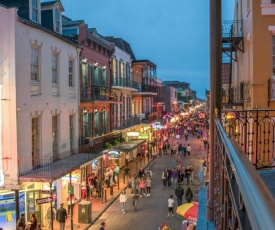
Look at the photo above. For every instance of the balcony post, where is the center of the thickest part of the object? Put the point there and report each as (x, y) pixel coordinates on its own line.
(215, 93)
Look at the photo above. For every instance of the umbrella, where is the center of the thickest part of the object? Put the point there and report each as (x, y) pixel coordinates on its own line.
(189, 210)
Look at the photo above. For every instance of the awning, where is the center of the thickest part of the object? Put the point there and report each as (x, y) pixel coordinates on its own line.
(130, 145)
(54, 171)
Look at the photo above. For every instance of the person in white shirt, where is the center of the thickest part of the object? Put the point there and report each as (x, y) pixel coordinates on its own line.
(123, 199)
(171, 206)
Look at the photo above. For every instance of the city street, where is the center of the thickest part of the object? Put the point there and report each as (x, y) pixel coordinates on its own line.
(152, 211)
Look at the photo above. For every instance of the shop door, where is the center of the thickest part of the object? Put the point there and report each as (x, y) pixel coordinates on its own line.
(32, 207)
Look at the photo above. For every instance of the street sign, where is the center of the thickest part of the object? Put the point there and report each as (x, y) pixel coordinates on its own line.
(44, 191)
(44, 200)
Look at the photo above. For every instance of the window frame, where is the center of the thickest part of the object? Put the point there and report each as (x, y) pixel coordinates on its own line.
(35, 65)
(56, 19)
(55, 68)
(34, 8)
(71, 73)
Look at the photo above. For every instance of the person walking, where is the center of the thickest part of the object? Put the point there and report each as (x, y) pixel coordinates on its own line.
(50, 216)
(175, 177)
(171, 206)
(102, 226)
(123, 199)
(21, 223)
(182, 174)
(61, 216)
(135, 195)
(148, 186)
(142, 185)
(184, 149)
(179, 192)
(164, 177)
(188, 195)
(188, 150)
(204, 164)
(71, 204)
(187, 174)
(33, 220)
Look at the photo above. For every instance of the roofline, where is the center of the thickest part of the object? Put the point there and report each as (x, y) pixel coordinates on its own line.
(30, 23)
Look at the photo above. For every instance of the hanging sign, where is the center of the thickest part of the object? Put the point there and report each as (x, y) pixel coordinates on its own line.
(114, 154)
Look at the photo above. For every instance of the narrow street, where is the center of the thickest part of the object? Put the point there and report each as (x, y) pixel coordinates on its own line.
(152, 211)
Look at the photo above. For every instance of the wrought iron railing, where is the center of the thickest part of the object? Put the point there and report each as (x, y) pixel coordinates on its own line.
(122, 82)
(254, 131)
(96, 92)
(232, 28)
(245, 91)
(128, 123)
(241, 198)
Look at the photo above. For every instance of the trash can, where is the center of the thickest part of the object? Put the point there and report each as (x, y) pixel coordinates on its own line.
(84, 212)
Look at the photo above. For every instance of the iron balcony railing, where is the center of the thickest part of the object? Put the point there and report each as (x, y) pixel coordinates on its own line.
(122, 82)
(231, 29)
(237, 95)
(132, 121)
(254, 131)
(96, 92)
(241, 198)
(48, 168)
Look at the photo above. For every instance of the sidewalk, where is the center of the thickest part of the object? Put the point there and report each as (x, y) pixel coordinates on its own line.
(98, 205)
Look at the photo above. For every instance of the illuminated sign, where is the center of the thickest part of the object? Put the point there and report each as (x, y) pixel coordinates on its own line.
(132, 134)
(143, 136)
(114, 154)
(75, 177)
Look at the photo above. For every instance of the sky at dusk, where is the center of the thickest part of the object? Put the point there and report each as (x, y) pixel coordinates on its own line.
(173, 34)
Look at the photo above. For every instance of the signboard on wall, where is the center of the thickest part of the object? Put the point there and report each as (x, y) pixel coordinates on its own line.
(132, 134)
(143, 136)
(114, 154)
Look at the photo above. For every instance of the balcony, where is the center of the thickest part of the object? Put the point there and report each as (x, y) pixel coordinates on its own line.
(121, 82)
(237, 96)
(98, 93)
(146, 90)
(243, 197)
(132, 121)
(149, 118)
(49, 169)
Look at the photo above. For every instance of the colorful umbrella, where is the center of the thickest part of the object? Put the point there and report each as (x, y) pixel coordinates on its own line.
(189, 210)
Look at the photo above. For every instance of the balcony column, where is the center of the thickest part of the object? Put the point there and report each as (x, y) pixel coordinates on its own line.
(215, 94)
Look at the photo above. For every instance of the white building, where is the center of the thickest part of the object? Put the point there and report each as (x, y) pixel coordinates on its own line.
(40, 92)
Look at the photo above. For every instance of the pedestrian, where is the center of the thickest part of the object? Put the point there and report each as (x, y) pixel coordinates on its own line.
(117, 170)
(184, 149)
(148, 186)
(169, 175)
(102, 226)
(179, 192)
(126, 173)
(112, 183)
(135, 195)
(174, 177)
(123, 199)
(171, 206)
(71, 204)
(178, 161)
(188, 150)
(50, 216)
(21, 223)
(164, 177)
(83, 190)
(33, 220)
(187, 174)
(141, 173)
(188, 195)
(182, 174)
(192, 172)
(142, 185)
(61, 216)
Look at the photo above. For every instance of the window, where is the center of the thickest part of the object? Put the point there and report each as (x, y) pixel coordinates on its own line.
(34, 11)
(71, 120)
(55, 136)
(34, 64)
(56, 21)
(54, 69)
(114, 71)
(35, 141)
(71, 73)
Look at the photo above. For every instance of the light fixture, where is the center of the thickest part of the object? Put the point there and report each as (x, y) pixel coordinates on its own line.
(96, 110)
(84, 60)
(103, 67)
(84, 111)
(95, 64)
(104, 110)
